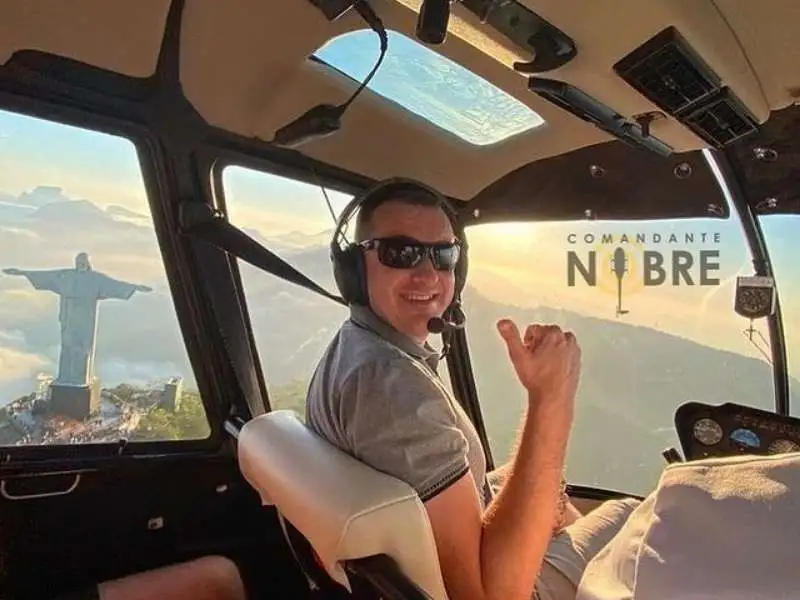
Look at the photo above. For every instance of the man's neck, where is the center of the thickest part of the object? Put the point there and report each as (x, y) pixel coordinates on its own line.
(367, 317)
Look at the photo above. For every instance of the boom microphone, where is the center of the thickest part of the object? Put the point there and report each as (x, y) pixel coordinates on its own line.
(439, 325)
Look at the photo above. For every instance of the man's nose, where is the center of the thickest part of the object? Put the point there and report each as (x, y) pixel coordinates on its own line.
(425, 269)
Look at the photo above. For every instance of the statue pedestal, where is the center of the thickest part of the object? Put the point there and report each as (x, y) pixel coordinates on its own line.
(75, 401)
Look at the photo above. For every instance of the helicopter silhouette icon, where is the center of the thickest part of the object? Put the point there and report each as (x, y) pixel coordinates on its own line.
(619, 266)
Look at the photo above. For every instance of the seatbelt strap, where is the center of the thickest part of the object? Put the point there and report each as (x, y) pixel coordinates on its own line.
(231, 325)
(312, 585)
(206, 223)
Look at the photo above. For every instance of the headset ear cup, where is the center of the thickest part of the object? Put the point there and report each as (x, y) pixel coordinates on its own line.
(349, 274)
(360, 276)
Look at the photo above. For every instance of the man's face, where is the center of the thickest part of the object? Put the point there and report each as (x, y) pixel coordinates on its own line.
(408, 298)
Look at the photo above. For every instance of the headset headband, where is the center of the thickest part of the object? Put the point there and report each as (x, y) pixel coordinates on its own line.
(383, 192)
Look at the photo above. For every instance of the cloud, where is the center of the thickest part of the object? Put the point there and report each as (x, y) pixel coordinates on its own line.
(18, 370)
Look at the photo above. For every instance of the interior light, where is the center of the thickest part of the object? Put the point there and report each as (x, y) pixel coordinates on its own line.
(463, 29)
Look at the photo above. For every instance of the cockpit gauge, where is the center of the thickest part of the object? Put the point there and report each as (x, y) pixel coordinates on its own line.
(707, 432)
(746, 438)
(783, 447)
(755, 297)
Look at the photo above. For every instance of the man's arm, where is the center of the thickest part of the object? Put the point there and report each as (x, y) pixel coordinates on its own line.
(498, 554)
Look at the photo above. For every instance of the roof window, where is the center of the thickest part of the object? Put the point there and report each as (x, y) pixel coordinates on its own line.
(431, 86)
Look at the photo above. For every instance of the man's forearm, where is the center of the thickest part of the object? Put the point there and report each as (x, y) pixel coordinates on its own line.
(518, 525)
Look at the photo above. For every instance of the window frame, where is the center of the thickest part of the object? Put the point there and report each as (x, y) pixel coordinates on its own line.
(225, 157)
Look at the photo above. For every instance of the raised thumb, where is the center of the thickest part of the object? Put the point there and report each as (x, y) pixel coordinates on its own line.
(510, 334)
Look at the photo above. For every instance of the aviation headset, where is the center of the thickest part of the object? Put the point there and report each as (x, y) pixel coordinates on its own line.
(349, 268)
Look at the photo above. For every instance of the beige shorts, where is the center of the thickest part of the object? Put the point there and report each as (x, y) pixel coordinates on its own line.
(576, 545)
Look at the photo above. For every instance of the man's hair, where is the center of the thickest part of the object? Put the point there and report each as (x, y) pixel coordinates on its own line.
(403, 194)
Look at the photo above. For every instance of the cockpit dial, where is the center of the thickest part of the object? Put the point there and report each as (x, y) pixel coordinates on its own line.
(783, 447)
(707, 432)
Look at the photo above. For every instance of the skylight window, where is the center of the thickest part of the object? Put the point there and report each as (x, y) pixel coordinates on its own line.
(432, 86)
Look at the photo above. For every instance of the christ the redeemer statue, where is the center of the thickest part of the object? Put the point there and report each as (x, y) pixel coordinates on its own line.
(79, 289)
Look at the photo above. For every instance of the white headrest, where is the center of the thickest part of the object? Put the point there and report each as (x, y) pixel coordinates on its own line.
(724, 528)
(343, 507)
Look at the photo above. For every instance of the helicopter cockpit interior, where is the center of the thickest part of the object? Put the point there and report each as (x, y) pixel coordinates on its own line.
(171, 172)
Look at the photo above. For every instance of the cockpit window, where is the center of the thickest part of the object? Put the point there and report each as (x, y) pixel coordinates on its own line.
(652, 307)
(90, 346)
(292, 326)
(431, 86)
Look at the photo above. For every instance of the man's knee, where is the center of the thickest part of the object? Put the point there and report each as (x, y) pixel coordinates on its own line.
(571, 550)
(205, 578)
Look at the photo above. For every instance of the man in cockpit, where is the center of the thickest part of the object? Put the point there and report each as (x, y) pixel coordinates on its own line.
(376, 395)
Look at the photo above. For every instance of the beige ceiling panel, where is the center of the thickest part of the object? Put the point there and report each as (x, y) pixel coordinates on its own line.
(769, 31)
(112, 34)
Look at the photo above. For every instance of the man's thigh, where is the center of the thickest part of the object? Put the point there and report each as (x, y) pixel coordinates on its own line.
(576, 545)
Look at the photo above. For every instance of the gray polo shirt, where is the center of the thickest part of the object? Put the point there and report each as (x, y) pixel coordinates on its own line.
(377, 396)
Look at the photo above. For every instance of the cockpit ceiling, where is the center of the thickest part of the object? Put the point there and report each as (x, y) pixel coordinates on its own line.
(245, 67)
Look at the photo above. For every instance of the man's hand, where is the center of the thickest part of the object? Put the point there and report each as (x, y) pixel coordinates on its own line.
(547, 361)
(12, 271)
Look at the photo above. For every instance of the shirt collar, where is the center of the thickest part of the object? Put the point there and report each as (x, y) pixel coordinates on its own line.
(365, 317)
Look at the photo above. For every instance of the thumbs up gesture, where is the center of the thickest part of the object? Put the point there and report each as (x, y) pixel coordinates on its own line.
(547, 361)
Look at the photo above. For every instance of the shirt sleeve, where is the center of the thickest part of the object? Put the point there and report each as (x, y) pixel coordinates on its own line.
(400, 421)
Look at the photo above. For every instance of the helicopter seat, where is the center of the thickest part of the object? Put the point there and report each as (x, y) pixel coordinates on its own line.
(712, 528)
(347, 511)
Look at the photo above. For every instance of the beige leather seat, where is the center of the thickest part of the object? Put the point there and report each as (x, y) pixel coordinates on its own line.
(722, 528)
(344, 508)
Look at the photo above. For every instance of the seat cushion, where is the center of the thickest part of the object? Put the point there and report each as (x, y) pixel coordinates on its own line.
(716, 528)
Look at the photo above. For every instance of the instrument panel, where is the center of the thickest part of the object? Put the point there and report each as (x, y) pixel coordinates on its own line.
(729, 429)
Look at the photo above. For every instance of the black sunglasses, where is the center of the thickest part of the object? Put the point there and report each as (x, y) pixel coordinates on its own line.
(406, 253)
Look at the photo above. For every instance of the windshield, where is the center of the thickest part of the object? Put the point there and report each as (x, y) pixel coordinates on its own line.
(783, 245)
(651, 304)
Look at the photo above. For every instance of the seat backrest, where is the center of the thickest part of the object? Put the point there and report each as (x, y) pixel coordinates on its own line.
(712, 528)
(343, 507)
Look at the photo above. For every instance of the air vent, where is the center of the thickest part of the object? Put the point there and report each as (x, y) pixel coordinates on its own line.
(721, 120)
(669, 73)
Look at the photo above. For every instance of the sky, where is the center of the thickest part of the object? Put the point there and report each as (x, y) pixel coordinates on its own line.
(522, 264)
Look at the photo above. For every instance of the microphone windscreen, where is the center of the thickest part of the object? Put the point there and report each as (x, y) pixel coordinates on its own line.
(436, 325)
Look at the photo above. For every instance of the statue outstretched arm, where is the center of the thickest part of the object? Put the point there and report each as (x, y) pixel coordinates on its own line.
(111, 288)
(41, 280)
